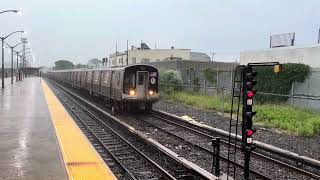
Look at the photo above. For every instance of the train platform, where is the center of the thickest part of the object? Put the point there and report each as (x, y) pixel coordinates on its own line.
(38, 138)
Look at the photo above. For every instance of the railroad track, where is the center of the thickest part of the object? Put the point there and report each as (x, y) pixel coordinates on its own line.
(130, 154)
(308, 167)
(179, 140)
(281, 158)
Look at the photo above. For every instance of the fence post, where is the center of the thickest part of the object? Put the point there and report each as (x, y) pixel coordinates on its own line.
(205, 86)
(231, 78)
(222, 101)
(217, 81)
(292, 93)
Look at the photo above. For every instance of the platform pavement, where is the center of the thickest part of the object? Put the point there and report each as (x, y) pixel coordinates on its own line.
(28, 145)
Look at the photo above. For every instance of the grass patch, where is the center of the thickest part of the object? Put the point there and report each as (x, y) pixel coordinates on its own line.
(291, 119)
(199, 101)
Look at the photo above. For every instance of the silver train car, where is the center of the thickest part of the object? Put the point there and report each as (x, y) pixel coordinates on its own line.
(121, 87)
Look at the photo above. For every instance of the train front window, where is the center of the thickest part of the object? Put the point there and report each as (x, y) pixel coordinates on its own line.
(129, 82)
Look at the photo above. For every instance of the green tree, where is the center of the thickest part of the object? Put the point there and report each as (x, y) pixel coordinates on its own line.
(62, 64)
(80, 65)
(210, 75)
(95, 62)
(270, 82)
(170, 80)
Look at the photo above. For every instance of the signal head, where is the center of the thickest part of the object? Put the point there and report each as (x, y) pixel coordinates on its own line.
(249, 132)
(251, 75)
(250, 94)
(250, 84)
(250, 114)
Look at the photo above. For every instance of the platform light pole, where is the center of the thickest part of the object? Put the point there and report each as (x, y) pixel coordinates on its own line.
(26, 57)
(2, 46)
(12, 50)
(21, 60)
(18, 70)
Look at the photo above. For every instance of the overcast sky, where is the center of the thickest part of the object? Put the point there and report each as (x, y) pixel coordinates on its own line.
(78, 30)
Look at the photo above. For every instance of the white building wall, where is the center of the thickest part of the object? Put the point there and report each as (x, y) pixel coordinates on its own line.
(309, 55)
(158, 54)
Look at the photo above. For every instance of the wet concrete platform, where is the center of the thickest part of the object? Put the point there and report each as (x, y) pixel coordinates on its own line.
(28, 144)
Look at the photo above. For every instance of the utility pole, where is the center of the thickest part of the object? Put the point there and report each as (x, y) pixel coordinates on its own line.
(127, 59)
(213, 55)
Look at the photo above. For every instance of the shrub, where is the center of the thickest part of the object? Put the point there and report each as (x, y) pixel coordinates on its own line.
(269, 82)
(196, 83)
(170, 81)
(210, 75)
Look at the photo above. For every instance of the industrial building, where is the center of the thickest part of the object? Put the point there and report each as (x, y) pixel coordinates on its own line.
(144, 54)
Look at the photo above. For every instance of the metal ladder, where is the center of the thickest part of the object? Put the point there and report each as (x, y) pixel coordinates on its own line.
(233, 126)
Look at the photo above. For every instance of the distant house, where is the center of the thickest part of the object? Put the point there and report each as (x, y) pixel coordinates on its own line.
(144, 54)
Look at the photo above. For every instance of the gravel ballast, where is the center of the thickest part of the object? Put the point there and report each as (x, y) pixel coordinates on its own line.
(309, 147)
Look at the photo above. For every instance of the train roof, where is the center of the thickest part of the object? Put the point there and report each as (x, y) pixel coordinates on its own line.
(102, 68)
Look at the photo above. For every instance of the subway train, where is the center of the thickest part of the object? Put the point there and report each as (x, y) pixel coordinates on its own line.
(122, 87)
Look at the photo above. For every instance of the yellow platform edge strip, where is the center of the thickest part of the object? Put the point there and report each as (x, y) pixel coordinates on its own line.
(81, 160)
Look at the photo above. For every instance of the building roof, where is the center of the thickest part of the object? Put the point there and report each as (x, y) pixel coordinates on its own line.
(199, 56)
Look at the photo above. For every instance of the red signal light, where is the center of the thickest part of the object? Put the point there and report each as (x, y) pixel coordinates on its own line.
(250, 94)
(249, 133)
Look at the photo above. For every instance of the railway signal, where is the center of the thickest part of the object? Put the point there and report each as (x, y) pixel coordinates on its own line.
(248, 93)
(247, 114)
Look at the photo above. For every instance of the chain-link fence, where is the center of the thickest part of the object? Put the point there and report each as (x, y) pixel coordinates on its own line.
(215, 82)
(297, 110)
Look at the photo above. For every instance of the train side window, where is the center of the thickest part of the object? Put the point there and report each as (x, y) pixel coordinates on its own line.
(140, 78)
(106, 78)
(96, 76)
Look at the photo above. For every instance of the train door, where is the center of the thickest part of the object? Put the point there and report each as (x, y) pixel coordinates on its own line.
(142, 84)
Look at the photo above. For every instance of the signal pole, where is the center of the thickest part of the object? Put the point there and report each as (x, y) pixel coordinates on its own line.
(247, 114)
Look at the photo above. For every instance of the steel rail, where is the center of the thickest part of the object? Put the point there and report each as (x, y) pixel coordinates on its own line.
(204, 149)
(159, 168)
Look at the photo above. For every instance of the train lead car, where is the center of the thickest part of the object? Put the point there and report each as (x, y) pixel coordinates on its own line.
(122, 87)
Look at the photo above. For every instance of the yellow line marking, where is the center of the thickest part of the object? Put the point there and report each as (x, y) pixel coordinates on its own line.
(81, 159)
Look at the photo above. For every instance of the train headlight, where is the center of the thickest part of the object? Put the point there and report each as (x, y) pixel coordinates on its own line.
(151, 92)
(132, 92)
